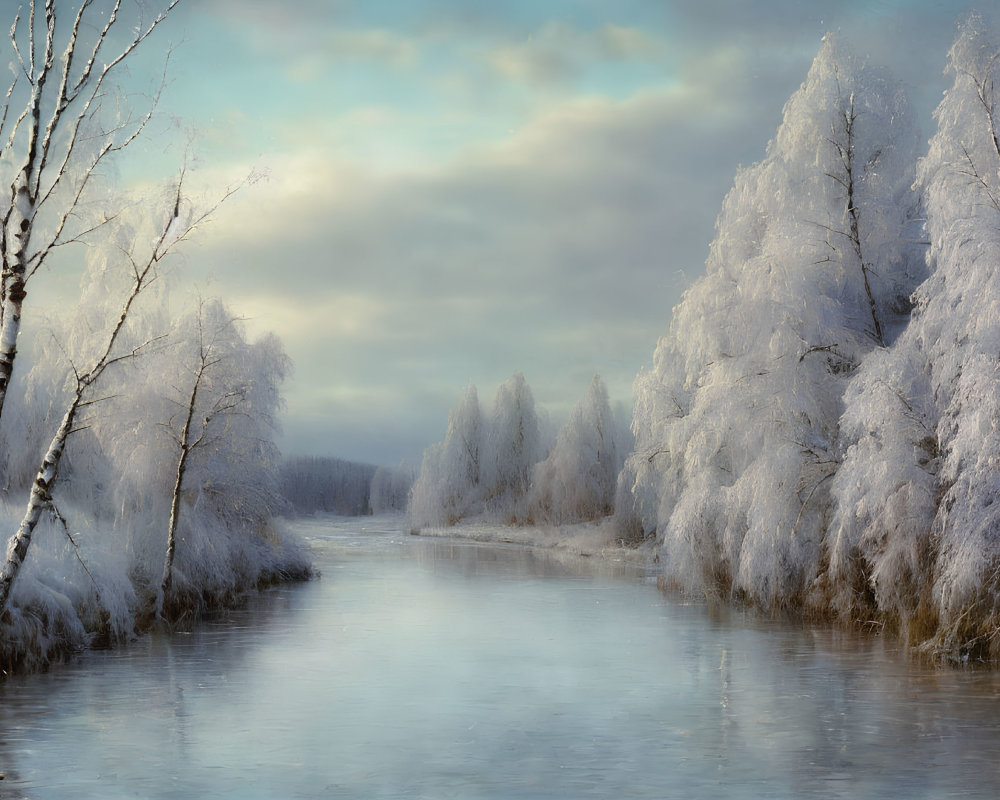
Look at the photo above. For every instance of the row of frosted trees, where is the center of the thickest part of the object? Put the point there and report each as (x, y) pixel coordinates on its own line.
(136, 429)
(501, 465)
(821, 424)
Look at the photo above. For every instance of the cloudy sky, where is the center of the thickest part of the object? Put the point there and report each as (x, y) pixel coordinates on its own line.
(456, 190)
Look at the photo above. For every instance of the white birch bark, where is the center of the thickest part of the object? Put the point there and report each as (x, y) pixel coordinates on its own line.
(39, 501)
(186, 446)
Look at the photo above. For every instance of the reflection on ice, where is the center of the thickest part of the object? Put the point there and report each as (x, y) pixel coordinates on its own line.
(431, 668)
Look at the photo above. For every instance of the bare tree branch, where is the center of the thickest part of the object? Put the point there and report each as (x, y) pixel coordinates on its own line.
(52, 155)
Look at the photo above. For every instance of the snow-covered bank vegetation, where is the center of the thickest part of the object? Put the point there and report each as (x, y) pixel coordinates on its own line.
(802, 440)
(819, 428)
(137, 430)
(737, 424)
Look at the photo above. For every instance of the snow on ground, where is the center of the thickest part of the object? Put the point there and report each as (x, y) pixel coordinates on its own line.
(583, 540)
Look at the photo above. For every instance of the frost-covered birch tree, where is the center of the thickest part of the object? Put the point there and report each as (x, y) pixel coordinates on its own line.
(737, 422)
(205, 408)
(56, 130)
(83, 379)
(914, 539)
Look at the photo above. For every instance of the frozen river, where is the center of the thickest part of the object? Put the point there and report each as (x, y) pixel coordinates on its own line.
(419, 668)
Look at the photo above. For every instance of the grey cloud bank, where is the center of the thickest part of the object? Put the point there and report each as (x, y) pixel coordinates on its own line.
(558, 251)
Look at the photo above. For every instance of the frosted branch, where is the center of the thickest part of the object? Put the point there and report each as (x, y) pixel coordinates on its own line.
(56, 515)
(973, 172)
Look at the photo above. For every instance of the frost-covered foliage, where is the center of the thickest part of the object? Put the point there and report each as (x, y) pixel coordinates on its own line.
(228, 387)
(737, 423)
(390, 489)
(484, 464)
(513, 447)
(917, 515)
(800, 439)
(129, 424)
(577, 481)
(885, 492)
(313, 484)
(451, 483)
(95, 562)
(501, 465)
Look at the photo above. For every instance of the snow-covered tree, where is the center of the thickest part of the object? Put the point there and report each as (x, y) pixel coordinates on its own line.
(917, 517)
(102, 399)
(484, 464)
(109, 349)
(450, 484)
(737, 422)
(222, 428)
(513, 448)
(576, 482)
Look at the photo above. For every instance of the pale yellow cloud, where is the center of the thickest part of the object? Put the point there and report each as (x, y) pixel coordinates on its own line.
(328, 315)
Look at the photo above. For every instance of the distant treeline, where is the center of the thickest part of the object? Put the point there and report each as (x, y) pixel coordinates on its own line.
(314, 484)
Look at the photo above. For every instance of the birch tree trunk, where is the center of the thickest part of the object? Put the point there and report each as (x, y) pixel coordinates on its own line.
(39, 501)
(186, 446)
(844, 145)
(188, 440)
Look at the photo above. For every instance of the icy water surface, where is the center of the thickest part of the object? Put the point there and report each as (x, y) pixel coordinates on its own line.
(429, 669)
